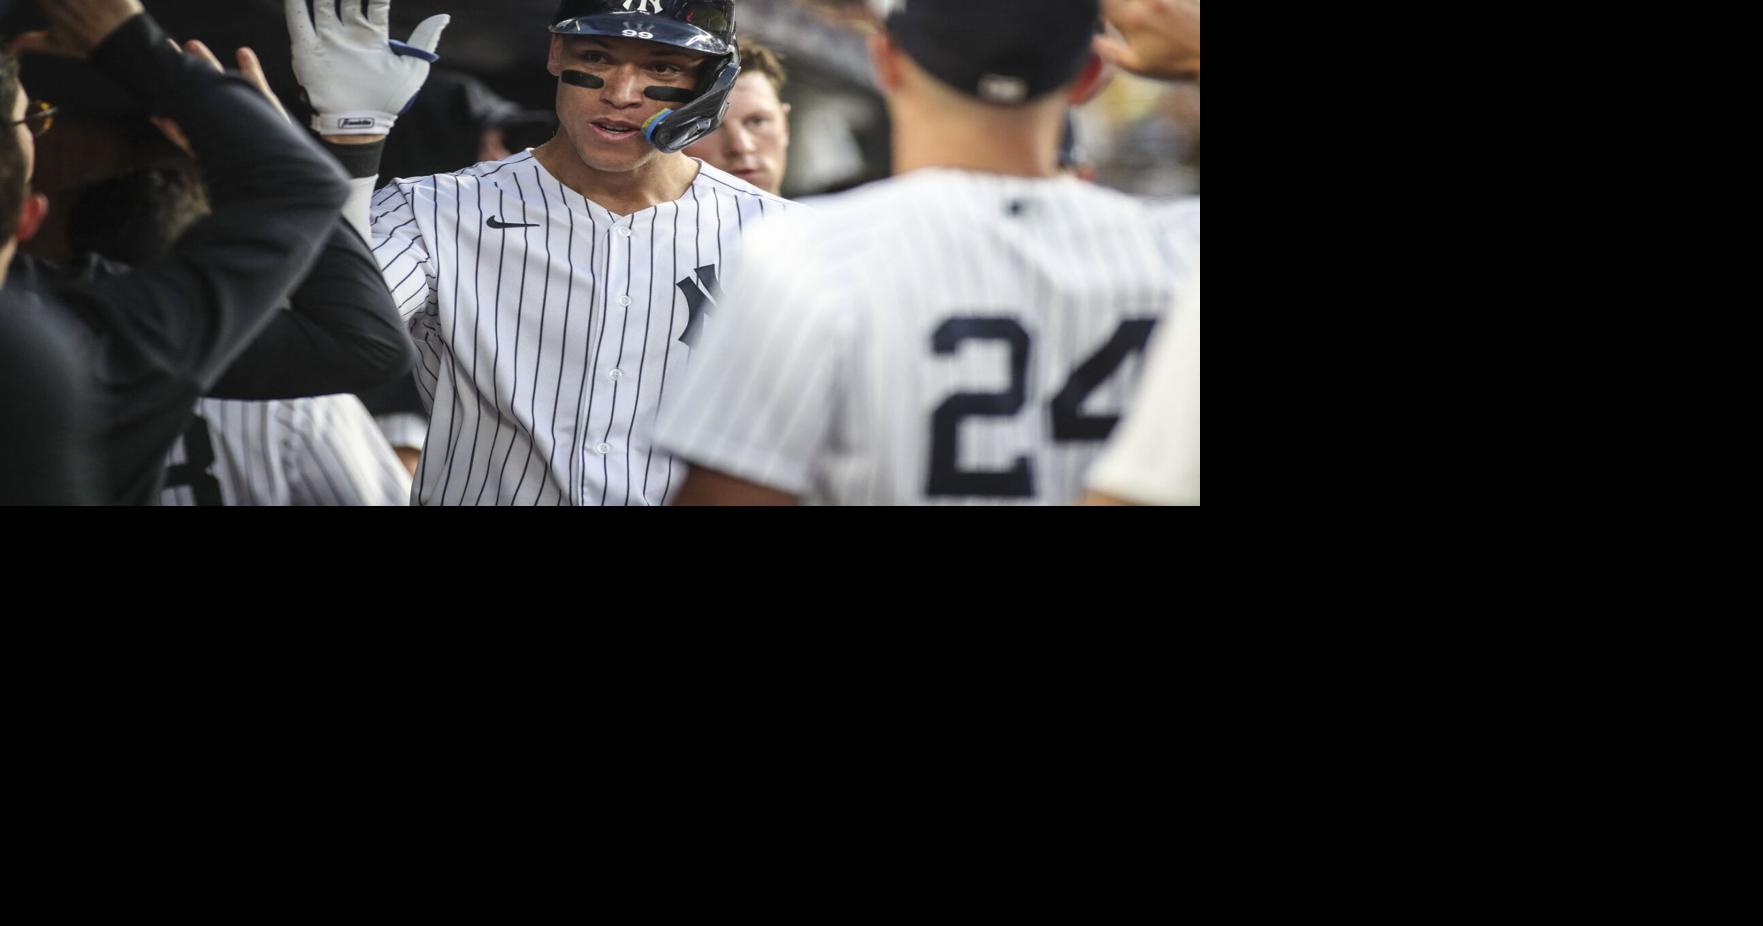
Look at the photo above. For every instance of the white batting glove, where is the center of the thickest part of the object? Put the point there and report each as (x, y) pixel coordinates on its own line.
(358, 79)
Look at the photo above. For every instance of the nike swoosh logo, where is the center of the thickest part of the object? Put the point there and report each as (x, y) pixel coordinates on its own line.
(498, 223)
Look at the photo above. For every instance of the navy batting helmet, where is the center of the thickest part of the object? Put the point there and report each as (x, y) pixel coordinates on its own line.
(705, 26)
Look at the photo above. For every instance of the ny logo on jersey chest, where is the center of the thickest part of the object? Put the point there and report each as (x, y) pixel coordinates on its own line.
(702, 293)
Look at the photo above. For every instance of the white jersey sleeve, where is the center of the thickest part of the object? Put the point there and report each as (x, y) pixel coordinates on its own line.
(335, 455)
(403, 429)
(1154, 458)
(761, 396)
(318, 451)
(401, 251)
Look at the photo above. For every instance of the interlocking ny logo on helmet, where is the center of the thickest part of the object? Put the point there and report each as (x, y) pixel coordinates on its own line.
(644, 6)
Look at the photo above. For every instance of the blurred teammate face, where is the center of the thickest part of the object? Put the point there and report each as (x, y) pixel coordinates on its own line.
(753, 143)
(34, 205)
(605, 125)
(26, 141)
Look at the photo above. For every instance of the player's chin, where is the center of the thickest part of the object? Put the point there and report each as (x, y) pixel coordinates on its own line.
(616, 158)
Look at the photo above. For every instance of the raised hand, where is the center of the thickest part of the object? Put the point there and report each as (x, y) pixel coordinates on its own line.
(358, 79)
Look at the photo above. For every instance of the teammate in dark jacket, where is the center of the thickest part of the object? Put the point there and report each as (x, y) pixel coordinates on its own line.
(154, 340)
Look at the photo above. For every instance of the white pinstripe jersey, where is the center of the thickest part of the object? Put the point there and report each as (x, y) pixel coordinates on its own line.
(550, 332)
(1154, 456)
(942, 338)
(322, 451)
(1182, 218)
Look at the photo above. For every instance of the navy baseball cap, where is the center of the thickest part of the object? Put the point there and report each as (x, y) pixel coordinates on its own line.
(1001, 51)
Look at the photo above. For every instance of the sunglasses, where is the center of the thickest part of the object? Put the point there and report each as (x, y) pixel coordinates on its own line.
(40, 116)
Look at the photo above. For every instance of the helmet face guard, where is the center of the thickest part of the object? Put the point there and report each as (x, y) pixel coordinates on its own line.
(673, 129)
(703, 26)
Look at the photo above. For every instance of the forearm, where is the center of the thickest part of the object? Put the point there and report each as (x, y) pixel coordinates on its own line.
(342, 335)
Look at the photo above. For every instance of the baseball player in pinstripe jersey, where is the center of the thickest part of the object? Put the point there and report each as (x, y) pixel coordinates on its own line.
(556, 296)
(301, 452)
(965, 333)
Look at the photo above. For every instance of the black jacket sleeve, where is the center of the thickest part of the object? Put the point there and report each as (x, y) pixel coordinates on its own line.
(343, 335)
(275, 196)
(341, 332)
(48, 454)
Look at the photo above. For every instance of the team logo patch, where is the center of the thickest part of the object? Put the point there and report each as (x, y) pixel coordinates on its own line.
(702, 292)
(644, 6)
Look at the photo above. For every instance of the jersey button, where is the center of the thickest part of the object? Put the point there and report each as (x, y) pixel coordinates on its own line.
(624, 300)
(602, 449)
(615, 374)
(624, 230)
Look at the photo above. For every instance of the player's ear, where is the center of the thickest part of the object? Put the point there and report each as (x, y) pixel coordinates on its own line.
(30, 219)
(555, 63)
(884, 57)
(785, 108)
(1093, 79)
